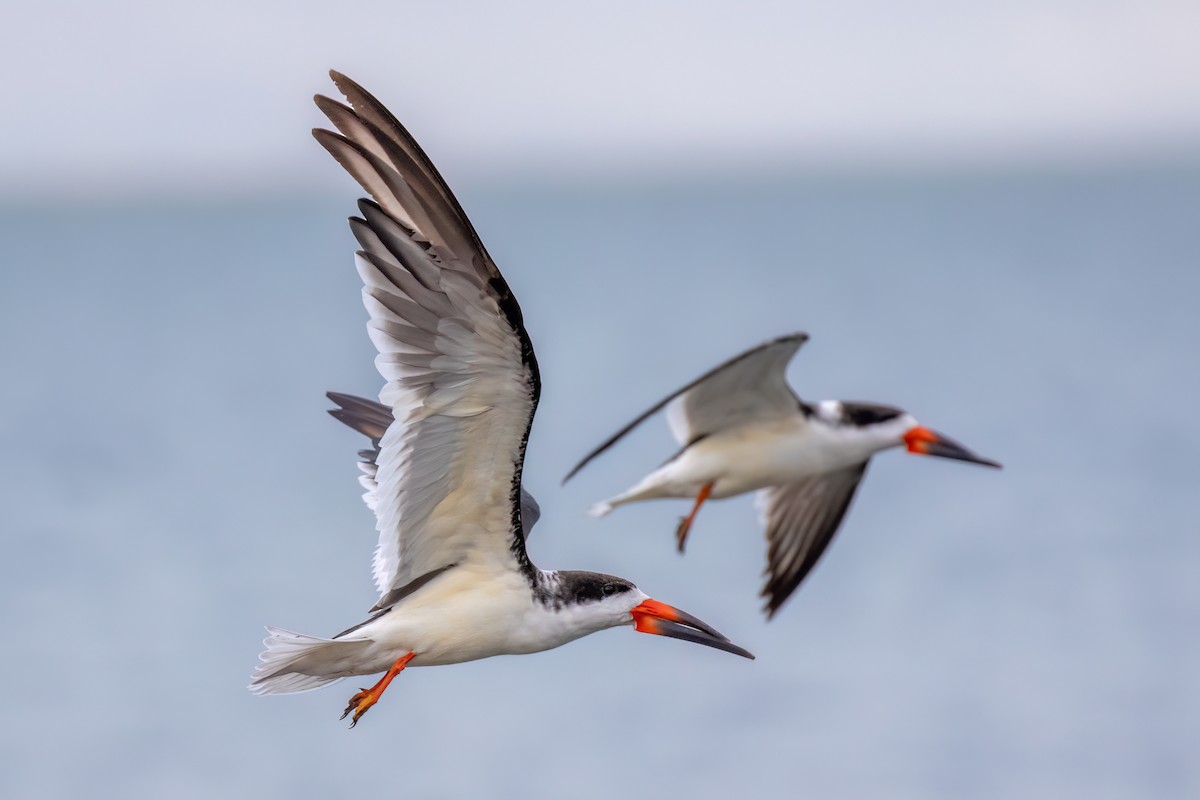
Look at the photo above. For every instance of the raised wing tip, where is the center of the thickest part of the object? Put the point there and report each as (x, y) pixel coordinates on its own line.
(335, 144)
(345, 85)
(322, 136)
(324, 101)
(798, 336)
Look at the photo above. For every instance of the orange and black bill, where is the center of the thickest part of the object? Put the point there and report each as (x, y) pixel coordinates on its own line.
(664, 620)
(926, 442)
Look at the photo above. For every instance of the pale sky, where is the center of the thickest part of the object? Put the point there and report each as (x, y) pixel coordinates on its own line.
(214, 96)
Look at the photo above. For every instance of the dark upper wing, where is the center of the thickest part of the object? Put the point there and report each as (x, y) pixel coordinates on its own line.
(462, 380)
(800, 520)
(749, 386)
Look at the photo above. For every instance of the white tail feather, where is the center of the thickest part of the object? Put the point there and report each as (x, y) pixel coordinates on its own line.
(294, 662)
(600, 509)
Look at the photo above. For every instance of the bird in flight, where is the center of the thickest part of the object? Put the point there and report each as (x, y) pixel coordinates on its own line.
(741, 428)
(443, 475)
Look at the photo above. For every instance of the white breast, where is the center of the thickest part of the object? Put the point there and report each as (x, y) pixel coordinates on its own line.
(755, 457)
(474, 611)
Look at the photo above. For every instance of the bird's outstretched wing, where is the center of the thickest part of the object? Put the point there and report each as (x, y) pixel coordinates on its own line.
(749, 387)
(372, 420)
(462, 379)
(800, 519)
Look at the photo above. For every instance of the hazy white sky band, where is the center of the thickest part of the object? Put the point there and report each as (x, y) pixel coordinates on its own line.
(216, 93)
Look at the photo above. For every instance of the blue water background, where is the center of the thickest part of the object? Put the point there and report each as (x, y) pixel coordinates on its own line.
(171, 484)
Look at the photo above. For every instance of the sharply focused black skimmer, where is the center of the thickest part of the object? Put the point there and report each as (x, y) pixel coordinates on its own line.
(444, 477)
(742, 428)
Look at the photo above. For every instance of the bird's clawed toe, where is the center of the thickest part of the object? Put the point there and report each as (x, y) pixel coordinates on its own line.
(360, 704)
(682, 531)
(366, 698)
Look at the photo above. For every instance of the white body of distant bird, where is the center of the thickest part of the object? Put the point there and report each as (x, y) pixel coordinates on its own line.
(741, 428)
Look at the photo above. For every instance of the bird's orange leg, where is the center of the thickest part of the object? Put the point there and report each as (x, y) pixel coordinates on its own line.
(685, 524)
(366, 698)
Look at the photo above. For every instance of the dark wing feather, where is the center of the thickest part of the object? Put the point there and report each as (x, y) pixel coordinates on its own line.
(801, 519)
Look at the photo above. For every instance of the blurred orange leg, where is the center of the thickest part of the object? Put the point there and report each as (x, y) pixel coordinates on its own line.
(685, 524)
(366, 698)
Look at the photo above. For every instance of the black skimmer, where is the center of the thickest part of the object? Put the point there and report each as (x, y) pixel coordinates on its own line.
(444, 474)
(741, 428)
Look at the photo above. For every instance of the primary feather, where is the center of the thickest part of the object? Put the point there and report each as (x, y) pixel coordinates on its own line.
(462, 380)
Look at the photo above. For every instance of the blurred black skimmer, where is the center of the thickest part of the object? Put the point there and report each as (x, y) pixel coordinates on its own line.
(742, 428)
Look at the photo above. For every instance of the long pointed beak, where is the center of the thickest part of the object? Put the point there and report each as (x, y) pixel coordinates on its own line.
(926, 442)
(664, 620)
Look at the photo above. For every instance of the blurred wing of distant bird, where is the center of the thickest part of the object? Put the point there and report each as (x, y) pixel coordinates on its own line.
(800, 520)
(749, 387)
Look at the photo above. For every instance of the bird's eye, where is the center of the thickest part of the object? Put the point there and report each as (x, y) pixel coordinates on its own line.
(609, 588)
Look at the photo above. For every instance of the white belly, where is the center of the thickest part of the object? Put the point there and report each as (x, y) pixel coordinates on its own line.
(466, 615)
(745, 459)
